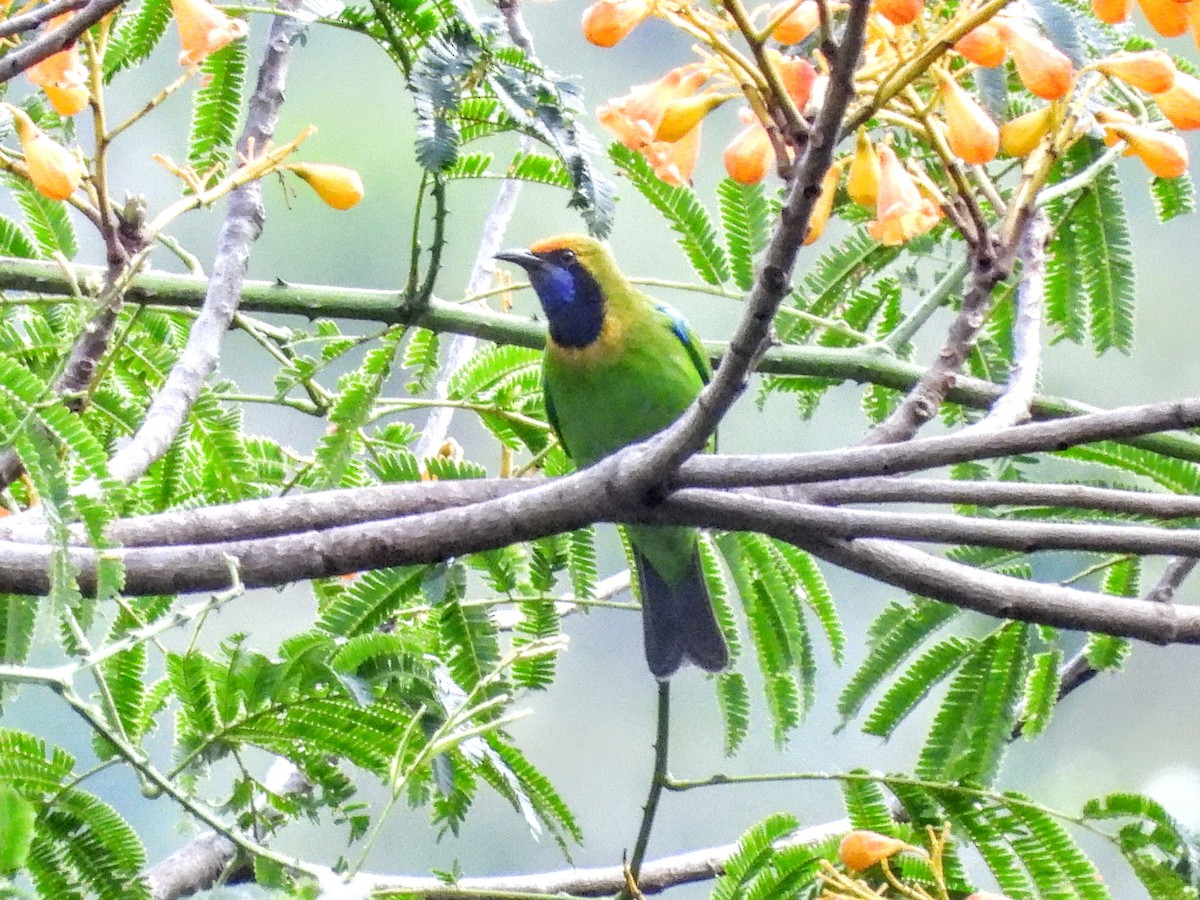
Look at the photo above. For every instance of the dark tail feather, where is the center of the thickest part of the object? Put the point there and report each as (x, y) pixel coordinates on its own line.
(679, 622)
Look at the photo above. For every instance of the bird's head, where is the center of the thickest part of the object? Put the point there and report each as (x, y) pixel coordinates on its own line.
(571, 275)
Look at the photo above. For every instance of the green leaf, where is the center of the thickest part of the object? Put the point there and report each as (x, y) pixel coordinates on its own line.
(1041, 692)
(683, 211)
(753, 854)
(421, 354)
(1105, 261)
(867, 806)
(895, 635)
(217, 108)
(15, 241)
(47, 220)
(1173, 197)
(745, 218)
(921, 677)
(371, 601)
(138, 34)
(17, 816)
(733, 697)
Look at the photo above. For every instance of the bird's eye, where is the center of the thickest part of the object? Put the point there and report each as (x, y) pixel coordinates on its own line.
(566, 257)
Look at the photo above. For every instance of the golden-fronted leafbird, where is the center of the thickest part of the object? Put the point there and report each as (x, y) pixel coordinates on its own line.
(620, 367)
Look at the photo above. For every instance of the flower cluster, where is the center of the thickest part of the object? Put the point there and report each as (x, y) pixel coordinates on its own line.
(911, 91)
(62, 76)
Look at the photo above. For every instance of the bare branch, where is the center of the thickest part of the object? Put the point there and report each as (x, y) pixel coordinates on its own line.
(751, 338)
(241, 228)
(56, 40)
(1013, 406)
(35, 17)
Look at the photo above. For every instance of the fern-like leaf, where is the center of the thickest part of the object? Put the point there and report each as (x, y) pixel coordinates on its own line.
(216, 108)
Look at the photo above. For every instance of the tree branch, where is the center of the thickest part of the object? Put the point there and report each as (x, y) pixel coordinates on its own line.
(243, 224)
(56, 40)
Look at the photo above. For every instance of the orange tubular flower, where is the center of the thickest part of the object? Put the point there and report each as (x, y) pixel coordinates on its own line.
(607, 22)
(1112, 12)
(1194, 21)
(62, 76)
(749, 154)
(800, 22)
(901, 212)
(798, 76)
(900, 12)
(1181, 104)
(1164, 154)
(635, 117)
(1168, 17)
(983, 45)
(973, 136)
(203, 30)
(819, 217)
(54, 170)
(1045, 70)
(1150, 70)
(1021, 135)
(862, 184)
(338, 186)
(1113, 117)
(862, 849)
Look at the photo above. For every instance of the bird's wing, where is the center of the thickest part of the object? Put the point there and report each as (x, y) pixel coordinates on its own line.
(552, 417)
(690, 340)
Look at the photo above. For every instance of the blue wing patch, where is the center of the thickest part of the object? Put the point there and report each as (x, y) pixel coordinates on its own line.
(682, 330)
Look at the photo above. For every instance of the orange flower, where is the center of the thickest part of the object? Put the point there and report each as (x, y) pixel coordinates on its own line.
(973, 136)
(1019, 136)
(607, 22)
(54, 170)
(900, 12)
(1044, 69)
(1181, 104)
(819, 217)
(1112, 12)
(901, 212)
(682, 115)
(1194, 21)
(863, 182)
(635, 117)
(750, 153)
(1168, 17)
(983, 45)
(862, 849)
(338, 186)
(798, 76)
(203, 29)
(675, 161)
(1108, 116)
(1164, 154)
(62, 76)
(798, 23)
(1150, 70)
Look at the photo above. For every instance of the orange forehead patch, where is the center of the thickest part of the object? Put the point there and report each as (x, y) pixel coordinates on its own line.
(550, 244)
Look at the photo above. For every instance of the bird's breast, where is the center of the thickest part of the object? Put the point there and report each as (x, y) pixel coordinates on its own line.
(607, 347)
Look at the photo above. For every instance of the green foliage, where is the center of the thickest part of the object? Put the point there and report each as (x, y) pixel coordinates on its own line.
(136, 36)
(758, 868)
(216, 109)
(684, 212)
(745, 218)
(468, 85)
(46, 220)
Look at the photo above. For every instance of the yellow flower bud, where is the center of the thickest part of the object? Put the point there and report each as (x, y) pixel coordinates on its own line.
(1045, 70)
(862, 849)
(54, 170)
(1112, 12)
(983, 45)
(62, 76)
(819, 217)
(338, 186)
(684, 114)
(1168, 17)
(863, 181)
(1019, 136)
(749, 154)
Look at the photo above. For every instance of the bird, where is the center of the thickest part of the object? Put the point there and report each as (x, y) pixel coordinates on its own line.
(618, 368)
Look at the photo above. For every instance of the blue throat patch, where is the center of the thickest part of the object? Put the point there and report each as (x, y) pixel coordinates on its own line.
(572, 300)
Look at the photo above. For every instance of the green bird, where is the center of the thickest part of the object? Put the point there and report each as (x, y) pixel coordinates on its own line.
(620, 367)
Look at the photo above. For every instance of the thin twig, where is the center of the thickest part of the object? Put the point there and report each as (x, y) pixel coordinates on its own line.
(38, 15)
(662, 737)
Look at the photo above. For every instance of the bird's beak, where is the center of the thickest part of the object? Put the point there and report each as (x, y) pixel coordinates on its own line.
(522, 258)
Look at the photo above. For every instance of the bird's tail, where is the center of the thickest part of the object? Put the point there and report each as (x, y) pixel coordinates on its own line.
(678, 620)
